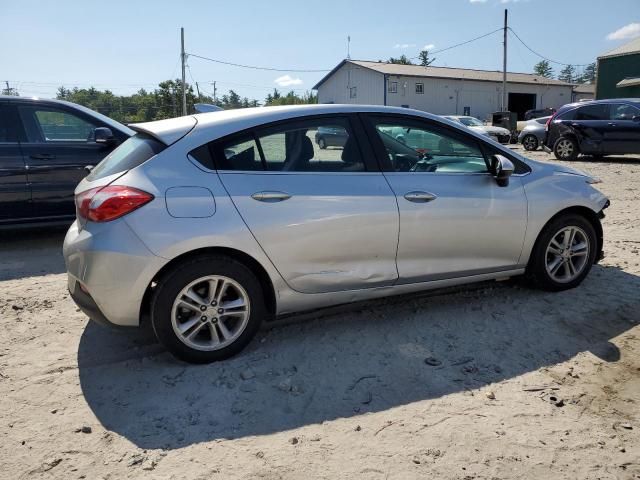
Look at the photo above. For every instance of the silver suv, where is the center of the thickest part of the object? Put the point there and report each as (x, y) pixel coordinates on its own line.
(213, 223)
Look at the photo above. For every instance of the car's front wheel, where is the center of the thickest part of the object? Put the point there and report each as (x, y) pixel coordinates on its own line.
(566, 148)
(564, 253)
(207, 309)
(530, 143)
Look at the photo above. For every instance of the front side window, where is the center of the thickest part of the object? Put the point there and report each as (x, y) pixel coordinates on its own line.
(415, 147)
(53, 125)
(393, 87)
(592, 112)
(300, 146)
(621, 111)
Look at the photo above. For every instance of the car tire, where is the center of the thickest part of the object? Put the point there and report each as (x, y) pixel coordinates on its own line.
(223, 326)
(544, 270)
(322, 143)
(566, 148)
(530, 143)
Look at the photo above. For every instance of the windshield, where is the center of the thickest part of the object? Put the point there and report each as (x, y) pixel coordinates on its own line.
(471, 122)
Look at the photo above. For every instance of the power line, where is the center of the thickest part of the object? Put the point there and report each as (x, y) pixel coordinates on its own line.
(542, 56)
(271, 69)
(461, 43)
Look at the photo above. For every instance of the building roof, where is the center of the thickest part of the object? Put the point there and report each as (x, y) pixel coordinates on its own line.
(627, 49)
(585, 88)
(628, 82)
(446, 72)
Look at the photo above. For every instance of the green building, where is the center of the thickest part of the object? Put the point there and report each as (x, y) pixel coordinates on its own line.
(619, 72)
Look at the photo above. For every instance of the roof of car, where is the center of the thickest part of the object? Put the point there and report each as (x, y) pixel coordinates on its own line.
(635, 101)
(229, 121)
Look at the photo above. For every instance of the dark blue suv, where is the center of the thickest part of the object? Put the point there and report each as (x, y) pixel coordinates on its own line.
(46, 148)
(596, 128)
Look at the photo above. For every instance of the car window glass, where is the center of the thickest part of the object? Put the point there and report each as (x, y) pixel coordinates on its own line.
(240, 154)
(133, 152)
(592, 112)
(621, 111)
(312, 146)
(424, 149)
(8, 132)
(52, 125)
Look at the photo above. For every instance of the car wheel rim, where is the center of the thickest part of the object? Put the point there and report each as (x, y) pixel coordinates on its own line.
(565, 148)
(530, 143)
(210, 313)
(567, 254)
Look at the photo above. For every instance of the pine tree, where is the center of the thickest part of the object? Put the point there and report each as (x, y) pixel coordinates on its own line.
(543, 68)
(568, 74)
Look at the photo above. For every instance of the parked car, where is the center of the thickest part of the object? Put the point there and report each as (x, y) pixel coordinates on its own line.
(331, 137)
(532, 135)
(541, 112)
(46, 147)
(498, 134)
(596, 128)
(213, 223)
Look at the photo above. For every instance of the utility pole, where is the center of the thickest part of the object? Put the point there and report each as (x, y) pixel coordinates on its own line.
(198, 90)
(215, 98)
(348, 47)
(504, 65)
(183, 57)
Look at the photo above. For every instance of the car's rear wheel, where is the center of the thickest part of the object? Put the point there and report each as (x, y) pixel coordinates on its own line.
(566, 148)
(564, 253)
(322, 143)
(207, 309)
(530, 142)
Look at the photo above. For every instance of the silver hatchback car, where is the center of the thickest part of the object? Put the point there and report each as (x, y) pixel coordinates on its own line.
(212, 223)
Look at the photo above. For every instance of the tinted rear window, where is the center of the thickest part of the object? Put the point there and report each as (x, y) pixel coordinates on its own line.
(135, 151)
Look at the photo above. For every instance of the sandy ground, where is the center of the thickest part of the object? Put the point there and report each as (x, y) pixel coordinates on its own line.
(518, 383)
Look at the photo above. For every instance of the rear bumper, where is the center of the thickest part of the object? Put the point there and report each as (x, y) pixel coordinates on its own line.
(114, 267)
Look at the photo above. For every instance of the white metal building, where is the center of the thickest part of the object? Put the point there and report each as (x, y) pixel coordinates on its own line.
(439, 90)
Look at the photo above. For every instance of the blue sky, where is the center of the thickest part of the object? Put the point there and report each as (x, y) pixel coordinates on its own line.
(125, 45)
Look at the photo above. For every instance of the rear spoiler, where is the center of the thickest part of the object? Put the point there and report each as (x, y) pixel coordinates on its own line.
(167, 131)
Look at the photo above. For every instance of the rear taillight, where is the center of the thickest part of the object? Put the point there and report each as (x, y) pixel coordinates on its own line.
(103, 204)
(546, 125)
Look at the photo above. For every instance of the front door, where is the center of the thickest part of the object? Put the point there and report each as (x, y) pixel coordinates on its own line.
(326, 217)
(623, 133)
(58, 148)
(15, 196)
(455, 221)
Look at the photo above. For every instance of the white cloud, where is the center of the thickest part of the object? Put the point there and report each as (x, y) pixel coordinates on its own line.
(429, 46)
(477, 1)
(404, 45)
(625, 33)
(287, 81)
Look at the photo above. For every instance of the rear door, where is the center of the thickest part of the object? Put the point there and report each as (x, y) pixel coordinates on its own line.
(58, 147)
(15, 195)
(623, 133)
(326, 218)
(455, 220)
(590, 124)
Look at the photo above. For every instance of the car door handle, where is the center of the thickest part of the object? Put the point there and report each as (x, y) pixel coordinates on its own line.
(420, 197)
(611, 124)
(42, 156)
(270, 197)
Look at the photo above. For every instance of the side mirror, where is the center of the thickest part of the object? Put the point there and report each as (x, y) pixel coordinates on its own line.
(501, 169)
(103, 136)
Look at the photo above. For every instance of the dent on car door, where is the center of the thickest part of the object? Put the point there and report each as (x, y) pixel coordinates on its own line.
(327, 219)
(590, 125)
(58, 148)
(454, 219)
(15, 195)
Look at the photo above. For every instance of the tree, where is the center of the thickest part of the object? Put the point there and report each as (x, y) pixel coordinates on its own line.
(403, 60)
(568, 74)
(425, 61)
(543, 68)
(589, 74)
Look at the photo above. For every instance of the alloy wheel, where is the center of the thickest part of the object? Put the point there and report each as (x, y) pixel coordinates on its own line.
(565, 148)
(530, 142)
(210, 312)
(567, 254)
